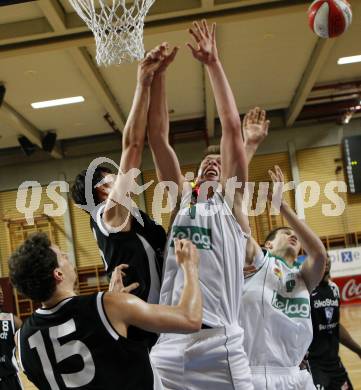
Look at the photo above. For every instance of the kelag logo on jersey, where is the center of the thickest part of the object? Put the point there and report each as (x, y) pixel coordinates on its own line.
(292, 307)
(201, 237)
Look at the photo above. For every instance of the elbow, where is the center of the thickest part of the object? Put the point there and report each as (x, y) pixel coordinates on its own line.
(193, 323)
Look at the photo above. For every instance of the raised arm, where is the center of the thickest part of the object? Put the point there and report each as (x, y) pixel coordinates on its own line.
(125, 309)
(116, 215)
(233, 155)
(255, 130)
(314, 267)
(164, 157)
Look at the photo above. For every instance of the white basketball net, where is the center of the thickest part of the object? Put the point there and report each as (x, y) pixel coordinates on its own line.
(117, 28)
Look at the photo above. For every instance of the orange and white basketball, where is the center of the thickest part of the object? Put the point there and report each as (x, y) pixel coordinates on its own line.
(329, 18)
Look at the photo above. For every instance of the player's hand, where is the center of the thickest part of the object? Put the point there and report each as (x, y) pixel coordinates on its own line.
(278, 179)
(168, 57)
(205, 47)
(249, 270)
(149, 65)
(255, 127)
(186, 252)
(116, 282)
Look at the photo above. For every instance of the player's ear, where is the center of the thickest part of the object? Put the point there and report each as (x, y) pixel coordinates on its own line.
(268, 245)
(58, 275)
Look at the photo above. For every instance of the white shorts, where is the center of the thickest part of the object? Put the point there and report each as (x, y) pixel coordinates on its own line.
(211, 359)
(281, 378)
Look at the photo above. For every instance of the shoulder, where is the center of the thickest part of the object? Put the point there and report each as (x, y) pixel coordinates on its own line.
(334, 288)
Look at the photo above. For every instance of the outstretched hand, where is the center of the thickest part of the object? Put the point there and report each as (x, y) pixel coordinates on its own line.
(149, 65)
(205, 49)
(255, 126)
(168, 56)
(278, 180)
(116, 282)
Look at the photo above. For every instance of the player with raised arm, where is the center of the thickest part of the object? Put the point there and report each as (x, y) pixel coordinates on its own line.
(81, 342)
(9, 324)
(276, 298)
(212, 358)
(326, 366)
(120, 235)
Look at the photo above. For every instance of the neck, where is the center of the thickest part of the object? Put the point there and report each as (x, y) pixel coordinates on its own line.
(58, 296)
(287, 256)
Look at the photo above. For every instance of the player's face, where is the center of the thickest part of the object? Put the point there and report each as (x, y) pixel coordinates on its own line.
(1, 297)
(287, 241)
(328, 267)
(105, 186)
(210, 169)
(65, 265)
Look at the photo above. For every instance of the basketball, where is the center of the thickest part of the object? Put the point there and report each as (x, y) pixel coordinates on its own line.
(329, 18)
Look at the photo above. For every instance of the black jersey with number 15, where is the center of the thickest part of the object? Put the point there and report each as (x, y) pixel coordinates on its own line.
(73, 345)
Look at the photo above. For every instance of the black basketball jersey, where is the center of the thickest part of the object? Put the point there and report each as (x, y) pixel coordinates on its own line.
(73, 345)
(141, 248)
(325, 311)
(7, 345)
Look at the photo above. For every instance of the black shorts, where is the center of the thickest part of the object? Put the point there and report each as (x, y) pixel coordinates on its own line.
(332, 376)
(11, 382)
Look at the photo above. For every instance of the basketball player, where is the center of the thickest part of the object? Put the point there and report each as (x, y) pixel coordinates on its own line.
(276, 301)
(9, 323)
(120, 236)
(212, 358)
(80, 342)
(326, 367)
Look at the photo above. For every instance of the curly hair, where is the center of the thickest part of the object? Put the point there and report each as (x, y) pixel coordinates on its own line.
(31, 268)
(78, 188)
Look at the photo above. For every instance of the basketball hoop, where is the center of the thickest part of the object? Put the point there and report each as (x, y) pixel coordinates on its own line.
(117, 28)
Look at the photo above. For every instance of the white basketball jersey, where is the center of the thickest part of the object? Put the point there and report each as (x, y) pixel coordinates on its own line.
(277, 315)
(214, 230)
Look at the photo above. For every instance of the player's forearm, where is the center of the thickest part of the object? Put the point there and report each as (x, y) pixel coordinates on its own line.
(348, 341)
(158, 117)
(135, 128)
(309, 240)
(225, 101)
(191, 299)
(251, 150)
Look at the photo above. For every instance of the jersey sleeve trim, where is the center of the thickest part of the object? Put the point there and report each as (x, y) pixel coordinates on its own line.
(104, 318)
(17, 335)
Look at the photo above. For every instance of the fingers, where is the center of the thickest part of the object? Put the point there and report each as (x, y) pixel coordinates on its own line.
(195, 35)
(193, 49)
(214, 32)
(205, 28)
(130, 288)
(199, 30)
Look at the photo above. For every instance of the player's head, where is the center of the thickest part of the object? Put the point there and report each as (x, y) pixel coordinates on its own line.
(210, 167)
(99, 193)
(283, 242)
(1, 297)
(326, 275)
(38, 268)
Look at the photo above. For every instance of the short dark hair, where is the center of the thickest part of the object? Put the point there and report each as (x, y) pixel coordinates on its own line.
(31, 268)
(273, 233)
(78, 188)
(212, 149)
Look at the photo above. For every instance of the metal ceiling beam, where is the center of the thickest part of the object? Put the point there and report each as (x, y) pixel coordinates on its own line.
(57, 18)
(93, 76)
(80, 36)
(54, 13)
(309, 77)
(24, 127)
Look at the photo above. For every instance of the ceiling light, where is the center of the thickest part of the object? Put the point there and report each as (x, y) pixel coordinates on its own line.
(58, 102)
(349, 60)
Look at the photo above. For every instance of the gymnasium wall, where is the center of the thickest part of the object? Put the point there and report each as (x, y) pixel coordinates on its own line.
(316, 154)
